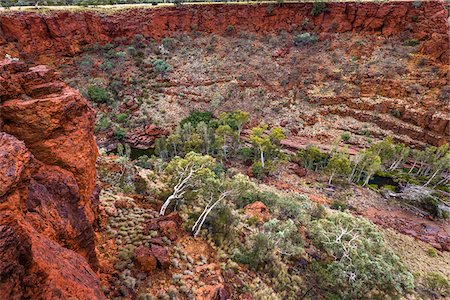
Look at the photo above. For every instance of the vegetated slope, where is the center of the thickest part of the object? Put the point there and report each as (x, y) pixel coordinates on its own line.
(343, 66)
(314, 80)
(47, 178)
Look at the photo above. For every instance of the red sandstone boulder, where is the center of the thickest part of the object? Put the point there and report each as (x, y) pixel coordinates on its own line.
(169, 229)
(161, 254)
(145, 260)
(258, 210)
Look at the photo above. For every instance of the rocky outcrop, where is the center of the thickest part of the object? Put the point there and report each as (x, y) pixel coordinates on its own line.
(47, 176)
(43, 36)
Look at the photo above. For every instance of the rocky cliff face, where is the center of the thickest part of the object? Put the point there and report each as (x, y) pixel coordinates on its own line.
(47, 178)
(43, 36)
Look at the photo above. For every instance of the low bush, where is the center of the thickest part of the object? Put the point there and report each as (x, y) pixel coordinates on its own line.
(305, 39)
(437, 284)
(98, 94)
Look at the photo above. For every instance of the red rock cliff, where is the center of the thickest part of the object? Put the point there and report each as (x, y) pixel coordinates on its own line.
(42, 36)
(47, 177)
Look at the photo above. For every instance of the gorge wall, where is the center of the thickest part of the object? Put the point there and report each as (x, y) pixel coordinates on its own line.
(42, 36)
(47, 179)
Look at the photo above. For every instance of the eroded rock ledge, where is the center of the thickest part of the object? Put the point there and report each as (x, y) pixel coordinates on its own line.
(47, 178)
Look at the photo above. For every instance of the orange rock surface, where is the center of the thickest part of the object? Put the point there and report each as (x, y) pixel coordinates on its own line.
(43, 36)
(47, 176)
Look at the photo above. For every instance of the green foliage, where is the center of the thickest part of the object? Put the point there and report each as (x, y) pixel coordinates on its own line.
(168, 43)
(221, 224)
(119, 133)
(318, 8)
(268, 147)
(411, 42)
(305, 39)
(196, 117)
(361, 263)
(230, 29)
(437, 284)
(345, 136)
(338, 166)
(312, 158)
(258, 170)
(102, 124)
(98, 94)
(160, 66)
(416, 4)
(277, 240)
(256, 253)
(121, 118)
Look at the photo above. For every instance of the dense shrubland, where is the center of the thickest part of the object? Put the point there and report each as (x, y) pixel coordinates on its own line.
(343, 256)
(304, 249)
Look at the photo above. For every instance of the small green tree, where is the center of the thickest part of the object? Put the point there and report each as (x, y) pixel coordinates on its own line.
(364, 166)
(338, 165)
(224, 136)
(360, 262)
(312, 158)
(236, 120)
(187, 173)
(266, 143)
(219, 189)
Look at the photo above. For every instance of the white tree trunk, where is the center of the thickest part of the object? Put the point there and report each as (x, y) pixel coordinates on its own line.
(432, 177)
(199, 223)
(331, 177)
(262, 155)
(179, 189)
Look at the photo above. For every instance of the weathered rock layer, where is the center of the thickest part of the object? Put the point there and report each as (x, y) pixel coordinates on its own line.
(47, 178)
(42, 36)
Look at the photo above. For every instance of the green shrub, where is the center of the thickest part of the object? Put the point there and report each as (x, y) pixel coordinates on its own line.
(132, 51)
(196, 117)
(121, 118)
(411, 42)
(107, 65)
(98, 94)
(258, 171)
(437, 284)
(432, 252)
(220, 224)
(102, 124)
(248, 198)
(318, 8)
(230, 29)
(305, 39)
(345, 136)
(361, 264)
(168, 43)
(160, 66)
(339, 205)
(416, 4)
(119, 133)
(256, 253)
